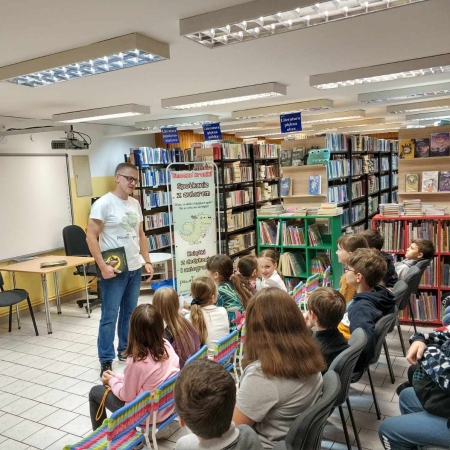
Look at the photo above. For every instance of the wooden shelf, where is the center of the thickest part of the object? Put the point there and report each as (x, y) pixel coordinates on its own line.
(302, 196)
(423, 193)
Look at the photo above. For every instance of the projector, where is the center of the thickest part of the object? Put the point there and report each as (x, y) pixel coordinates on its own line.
(69, 144)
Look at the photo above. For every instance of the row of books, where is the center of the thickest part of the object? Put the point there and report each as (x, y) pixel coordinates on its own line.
(237, 198)
(384, 163)
(390, 209)
(148, 155)
(266, 150)
(338, 168)
(370, 164)
(393, 234)
(157, 220)
(374, 184)
(445, 237)
(337, 142)
(240, 242)
(432, 181)
(370, 144)
(292, 232)
(155, 199)
(235, 173)
(226, 150)
(292, 157)
(329, 209)
(235, 221)
(158, 241)
(270, 210)
(357, 166)
(445, 274)
(357, 212)
(424, 307)
(314, 236)
(429, 277)
(264, 172)
(372, 205)
(320, 262)
(154, 177)
(394, 176)
(425, 229)
(292, 264)
(266, 191)
(358, 189)
(338, 194)
(269, 232)
(384, 198)
(437, 145)
(384, 182)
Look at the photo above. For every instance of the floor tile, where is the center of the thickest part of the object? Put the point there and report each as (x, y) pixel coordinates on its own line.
(370, 439)
(34, 391)
(91, 375)
(68, 439)
(19, 406)
(70, 402)
(367, 420)
(63, 383)
(22, 430)
(83, 409)
(81, 387)
(59, 418)
(47, 378)
(37, 413)
(79, 426)
(44, 438)
(10, 444)
(6, 399)
(52, 397)
(386, 408)
(8, 421)
(17, 386)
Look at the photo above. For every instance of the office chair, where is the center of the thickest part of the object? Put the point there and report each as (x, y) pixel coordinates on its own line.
(75, 245)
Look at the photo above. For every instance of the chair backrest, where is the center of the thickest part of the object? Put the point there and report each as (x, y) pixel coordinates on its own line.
(1, 282)
(306, 431)
(226, 348)
(163, 397)
(75, 241)
(345, 363)
(381, 330)
(94, 440)
(201, 354)
(326, 276)
(401, 291)
(130, 416)
(414, 275)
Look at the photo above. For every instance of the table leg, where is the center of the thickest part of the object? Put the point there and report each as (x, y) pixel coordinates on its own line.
(58, 297)
(87, 292)
(46, 303)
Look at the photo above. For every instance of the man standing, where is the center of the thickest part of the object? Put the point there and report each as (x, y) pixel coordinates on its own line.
(116, 221)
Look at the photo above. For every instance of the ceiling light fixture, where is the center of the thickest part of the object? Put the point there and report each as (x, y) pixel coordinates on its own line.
(402, 70)
(268, 132)
(193, 121)
(276, 110)
(105, 56)
(353, 123)
(242, 126)
(240, 94)
(417, 92)
(256, 19)
(373, 129)
(330, 117)
(111, 112)
(429, 116)
(432, 105)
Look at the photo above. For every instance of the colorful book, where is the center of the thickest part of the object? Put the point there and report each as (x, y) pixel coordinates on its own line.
(444, 181)
(298, 156)
(315, 185)
(430, 181)
(116, 258)
(440, 144)
(406, 148)
(315, 238)
(422, 148)
(286, 187)
(286, 158)
(412, 182)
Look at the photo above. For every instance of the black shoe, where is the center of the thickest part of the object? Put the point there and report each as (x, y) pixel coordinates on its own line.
(404, 385)
(120, 357)
(105, 366)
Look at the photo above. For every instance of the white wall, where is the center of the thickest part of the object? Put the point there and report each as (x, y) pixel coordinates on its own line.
(104, 153)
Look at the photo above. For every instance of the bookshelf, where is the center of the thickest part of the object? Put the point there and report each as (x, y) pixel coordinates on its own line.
(398, 233)
(289, 234)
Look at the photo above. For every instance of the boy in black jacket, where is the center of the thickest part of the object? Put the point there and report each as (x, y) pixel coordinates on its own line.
(365, 269)
(376, 241)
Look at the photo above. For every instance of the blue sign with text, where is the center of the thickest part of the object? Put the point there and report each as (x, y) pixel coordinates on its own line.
(212, 131)
(291, 122)
(170, 135)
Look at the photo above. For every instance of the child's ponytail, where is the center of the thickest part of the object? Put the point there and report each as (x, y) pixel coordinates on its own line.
(203, 290)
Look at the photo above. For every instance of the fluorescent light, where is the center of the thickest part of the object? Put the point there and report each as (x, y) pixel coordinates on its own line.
(431, 105)
(402, 70)
(369, 129)
(105, 56)
(111, 112)
(417, 92)
(196, 121)
(35, 130)
(355, 123)
(429, 116)
(261, 18)
(268, 132)
(276, 110)
(236, 127)
(330, 117)
(241, 94)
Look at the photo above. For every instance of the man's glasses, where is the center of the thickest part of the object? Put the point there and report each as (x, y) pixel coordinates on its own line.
(346, 269)
(129, 179)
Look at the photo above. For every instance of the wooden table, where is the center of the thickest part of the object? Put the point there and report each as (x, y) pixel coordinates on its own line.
(33, 266)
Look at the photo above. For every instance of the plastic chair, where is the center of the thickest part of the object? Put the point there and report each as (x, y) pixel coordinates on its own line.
(119, 430)
(326, 277)
(241, 348)
(344, 365)
(75, 245)
(306, 431)
(401, 291)
(225, 351)
(13, 297)
(298, 294)
(201, 354)
(163, 398)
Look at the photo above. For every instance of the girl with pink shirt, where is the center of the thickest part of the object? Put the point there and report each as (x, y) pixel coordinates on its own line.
(151, 360)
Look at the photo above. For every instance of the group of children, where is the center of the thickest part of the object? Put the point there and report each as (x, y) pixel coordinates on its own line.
(282, 361)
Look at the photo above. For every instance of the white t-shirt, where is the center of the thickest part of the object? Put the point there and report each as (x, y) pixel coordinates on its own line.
(121, 220)
(217, 325)
(274, 281)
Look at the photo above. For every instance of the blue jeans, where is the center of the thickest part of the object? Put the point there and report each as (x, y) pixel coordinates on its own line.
(446, 319)
(415, 427)
(119, 299)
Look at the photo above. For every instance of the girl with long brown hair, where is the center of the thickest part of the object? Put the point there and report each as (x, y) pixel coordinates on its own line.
(210, 320)
(248, 269)
(283, 365)
(179, 332)
(150, 361)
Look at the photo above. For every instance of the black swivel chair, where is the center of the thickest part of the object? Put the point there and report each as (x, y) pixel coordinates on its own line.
(306, 431)
(12, 297)
(401, 291)
(75, 245)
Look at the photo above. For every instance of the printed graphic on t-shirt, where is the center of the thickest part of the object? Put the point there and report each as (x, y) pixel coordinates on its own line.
(129, 221)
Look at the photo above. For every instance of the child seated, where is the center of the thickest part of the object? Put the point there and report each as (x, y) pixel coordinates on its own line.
(418, 250)
(365, 269)
(326, 308)
(268, 263)
(347, 244)
(376, 241)
(205, 396)
(248, 270)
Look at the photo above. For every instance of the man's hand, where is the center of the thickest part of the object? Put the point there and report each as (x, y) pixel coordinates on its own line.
(148, 269)
(415, 352)
(109, 272)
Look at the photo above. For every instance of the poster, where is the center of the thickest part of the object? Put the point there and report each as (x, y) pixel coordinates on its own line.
(194, 223)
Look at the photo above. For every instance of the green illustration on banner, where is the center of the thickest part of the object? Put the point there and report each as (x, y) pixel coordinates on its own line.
(194, 223)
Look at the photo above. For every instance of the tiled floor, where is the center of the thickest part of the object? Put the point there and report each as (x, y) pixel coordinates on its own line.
(45, 381)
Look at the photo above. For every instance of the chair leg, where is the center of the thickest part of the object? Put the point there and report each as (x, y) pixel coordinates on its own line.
(411, 312)
(344, 426)
(388, 359)
(372, 387)
(32, 316)
(349, 406)
(18, 316)
(10, 319)
(402, 342)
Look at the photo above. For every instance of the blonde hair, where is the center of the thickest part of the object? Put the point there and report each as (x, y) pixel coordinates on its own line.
(202, 290)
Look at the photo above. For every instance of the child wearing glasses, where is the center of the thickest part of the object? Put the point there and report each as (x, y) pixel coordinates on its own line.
(364, 271)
